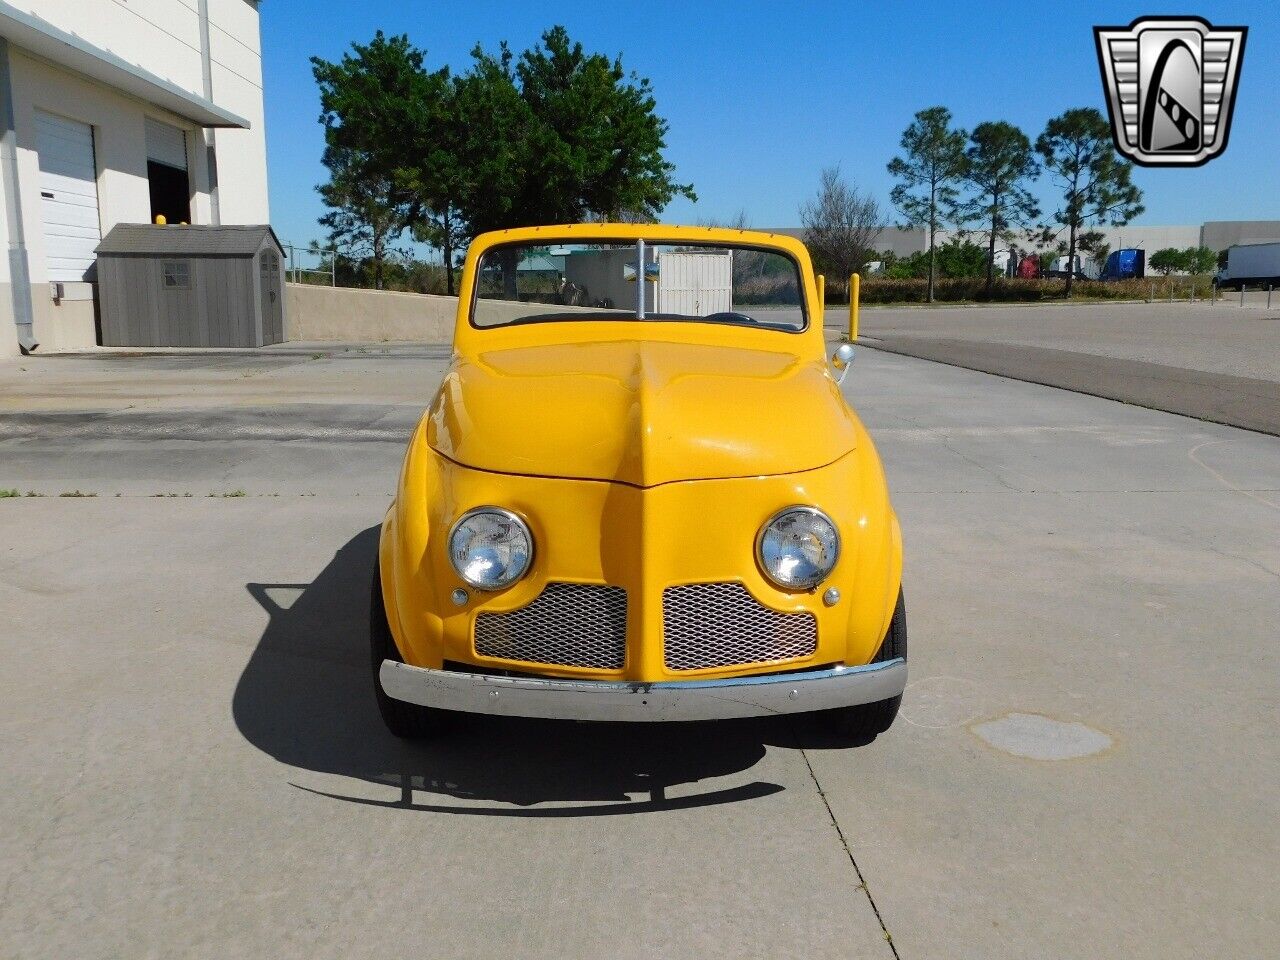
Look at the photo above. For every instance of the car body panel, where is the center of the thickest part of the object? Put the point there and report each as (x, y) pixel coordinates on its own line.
(642, 412)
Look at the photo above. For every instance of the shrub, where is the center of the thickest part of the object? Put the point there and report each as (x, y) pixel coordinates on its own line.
(1012, 289)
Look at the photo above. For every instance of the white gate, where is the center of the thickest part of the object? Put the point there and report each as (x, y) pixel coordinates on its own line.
(68, 196)
(695, 283)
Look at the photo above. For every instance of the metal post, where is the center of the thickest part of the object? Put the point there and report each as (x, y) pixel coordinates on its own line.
(1242, 289)
(640, 280)
(1151, 298)
(855, 305)
(1171, 289)
(209, 136)
(333, 268)
(1269, 296)
(19, 271)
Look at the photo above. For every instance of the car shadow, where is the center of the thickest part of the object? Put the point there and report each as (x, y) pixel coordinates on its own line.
(306, 698)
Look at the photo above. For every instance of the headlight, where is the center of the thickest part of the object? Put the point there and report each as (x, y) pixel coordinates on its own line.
(798, 547)
(490, 548)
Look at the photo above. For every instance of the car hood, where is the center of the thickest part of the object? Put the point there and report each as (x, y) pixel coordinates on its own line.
(642, 413)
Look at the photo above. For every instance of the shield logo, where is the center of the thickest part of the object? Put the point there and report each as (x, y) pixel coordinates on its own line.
(1171, 87)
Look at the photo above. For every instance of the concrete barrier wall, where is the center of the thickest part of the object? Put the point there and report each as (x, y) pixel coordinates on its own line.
(353, 315)
(345, 313)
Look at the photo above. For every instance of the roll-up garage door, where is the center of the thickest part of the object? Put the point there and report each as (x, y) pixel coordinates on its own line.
(166, 144)
(68, 195)
(167, 178)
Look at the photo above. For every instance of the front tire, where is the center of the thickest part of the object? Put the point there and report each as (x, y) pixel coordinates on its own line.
(409, 721)
(865, 722)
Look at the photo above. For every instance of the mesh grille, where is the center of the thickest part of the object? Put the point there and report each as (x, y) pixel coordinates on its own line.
(721, 625)
(569, 624)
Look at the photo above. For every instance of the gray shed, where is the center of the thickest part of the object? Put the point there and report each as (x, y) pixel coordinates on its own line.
(190, 286)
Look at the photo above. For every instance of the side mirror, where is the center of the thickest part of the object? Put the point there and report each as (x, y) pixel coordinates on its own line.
(841, 360)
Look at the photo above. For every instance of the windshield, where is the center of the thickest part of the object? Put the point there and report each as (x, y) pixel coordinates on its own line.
(743, 285)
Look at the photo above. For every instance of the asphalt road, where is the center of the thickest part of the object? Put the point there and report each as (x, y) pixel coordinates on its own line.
(1216, 362)
(1085, 764)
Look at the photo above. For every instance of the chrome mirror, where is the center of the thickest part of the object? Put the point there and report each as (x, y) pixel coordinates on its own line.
(841, 360)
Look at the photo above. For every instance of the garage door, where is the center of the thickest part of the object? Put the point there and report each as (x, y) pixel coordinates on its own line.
(68, 195)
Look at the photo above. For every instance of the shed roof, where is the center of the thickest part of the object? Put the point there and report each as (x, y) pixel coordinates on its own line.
(180, 241)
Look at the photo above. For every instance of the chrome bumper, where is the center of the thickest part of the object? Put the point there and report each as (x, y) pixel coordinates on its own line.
(625, 700)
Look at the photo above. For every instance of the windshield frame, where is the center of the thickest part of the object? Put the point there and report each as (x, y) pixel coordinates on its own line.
(656, 240)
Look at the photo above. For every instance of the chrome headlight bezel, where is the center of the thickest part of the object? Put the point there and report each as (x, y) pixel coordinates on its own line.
(513, 518)
(808, 584)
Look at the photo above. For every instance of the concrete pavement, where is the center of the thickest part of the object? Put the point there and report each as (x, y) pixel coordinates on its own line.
(194, 765)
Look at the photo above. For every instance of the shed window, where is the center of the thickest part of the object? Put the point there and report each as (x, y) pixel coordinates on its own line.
(177, 274)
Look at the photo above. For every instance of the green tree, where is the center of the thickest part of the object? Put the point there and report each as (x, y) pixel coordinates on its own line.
(1199, 260)
(558, 136)
(928, 173)
(999, 162)
(1077, 150)
(1166, 261)
(367, 101)
(959, 258)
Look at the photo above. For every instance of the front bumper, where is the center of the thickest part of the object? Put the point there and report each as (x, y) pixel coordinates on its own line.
(726, 699)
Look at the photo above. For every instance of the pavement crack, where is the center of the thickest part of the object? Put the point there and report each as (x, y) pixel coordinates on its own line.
(844, 842)
(942, 441)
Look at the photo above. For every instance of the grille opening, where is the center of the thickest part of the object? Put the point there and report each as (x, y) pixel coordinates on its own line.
(706, 625)
(567, 624)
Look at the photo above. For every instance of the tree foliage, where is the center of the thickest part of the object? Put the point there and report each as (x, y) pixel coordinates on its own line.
(556, 135)
(1166, 261)
(1192, 260)
(366, 98)
(928, 173)
(1077, 150)
(956, 258)
(841, 225)
(999, 165)
(1199, 260)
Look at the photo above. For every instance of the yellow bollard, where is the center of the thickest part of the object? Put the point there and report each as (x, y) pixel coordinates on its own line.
(161, 220)
(855, 295)
(822, 298)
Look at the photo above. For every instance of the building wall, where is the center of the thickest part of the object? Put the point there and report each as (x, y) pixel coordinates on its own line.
(1220, 234)
(904, 241)
(162, 37)
(235, 51)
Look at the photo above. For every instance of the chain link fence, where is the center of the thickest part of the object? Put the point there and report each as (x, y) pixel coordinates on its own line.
(311, 264)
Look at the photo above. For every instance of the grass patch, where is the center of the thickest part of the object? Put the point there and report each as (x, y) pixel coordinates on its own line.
(4, 494)
(75, 493)
(233, 493)
(33, 493)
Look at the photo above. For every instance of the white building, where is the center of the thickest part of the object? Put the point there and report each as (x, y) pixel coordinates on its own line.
(116, 111)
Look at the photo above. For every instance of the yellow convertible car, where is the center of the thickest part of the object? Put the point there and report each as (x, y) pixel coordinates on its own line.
(640, 495)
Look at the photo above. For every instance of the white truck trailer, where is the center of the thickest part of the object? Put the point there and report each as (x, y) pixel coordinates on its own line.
(1251, 265)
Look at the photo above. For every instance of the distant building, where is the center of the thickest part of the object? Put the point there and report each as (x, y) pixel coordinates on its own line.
(1215, 234)
(117, 113)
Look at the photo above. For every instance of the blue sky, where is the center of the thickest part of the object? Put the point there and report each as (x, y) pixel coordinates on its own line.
(761, 96)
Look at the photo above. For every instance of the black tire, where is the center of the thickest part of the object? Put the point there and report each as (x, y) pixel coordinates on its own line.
(863, 723)
(408, 721)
